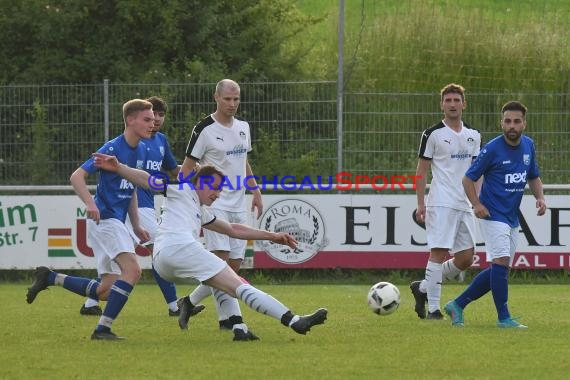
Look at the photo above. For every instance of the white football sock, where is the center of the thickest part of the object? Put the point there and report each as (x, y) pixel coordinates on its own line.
(260, 301)
(201, 292)
(228, 305)
(450, 271)
(434, 277)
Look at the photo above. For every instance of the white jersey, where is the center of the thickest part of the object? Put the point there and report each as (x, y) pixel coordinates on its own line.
(451, 154)
(182, 217)
(226, 148)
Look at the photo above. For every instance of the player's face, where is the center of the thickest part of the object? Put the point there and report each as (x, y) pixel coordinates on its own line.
(142, 123)
(159, 117)
(452, 106)
(513, 124)
(228, 101)
(208, 190)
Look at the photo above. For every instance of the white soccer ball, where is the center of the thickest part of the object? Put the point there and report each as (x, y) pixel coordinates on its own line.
(383, 298)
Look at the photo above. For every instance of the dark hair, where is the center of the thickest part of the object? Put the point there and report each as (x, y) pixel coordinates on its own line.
(206, 171)
(135, 105)
(453, 88)
(158, 104)
(514, 105)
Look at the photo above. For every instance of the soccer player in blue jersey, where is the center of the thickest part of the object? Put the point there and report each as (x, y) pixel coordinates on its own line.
(159, 157)
(108, 235)
(507, 163)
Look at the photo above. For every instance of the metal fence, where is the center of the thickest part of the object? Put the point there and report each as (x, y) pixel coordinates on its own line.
(47, 131)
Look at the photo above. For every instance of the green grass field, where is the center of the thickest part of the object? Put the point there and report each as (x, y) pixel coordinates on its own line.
(49, 339)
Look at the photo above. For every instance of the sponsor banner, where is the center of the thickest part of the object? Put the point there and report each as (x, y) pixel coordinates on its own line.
(380, 231)
(333, 230)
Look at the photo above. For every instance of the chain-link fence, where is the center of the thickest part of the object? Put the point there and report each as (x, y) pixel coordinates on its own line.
(47, 131)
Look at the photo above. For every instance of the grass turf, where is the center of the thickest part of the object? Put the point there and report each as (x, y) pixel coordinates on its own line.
(49, 339)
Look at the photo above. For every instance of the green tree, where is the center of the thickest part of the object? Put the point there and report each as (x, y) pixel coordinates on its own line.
(65, 41)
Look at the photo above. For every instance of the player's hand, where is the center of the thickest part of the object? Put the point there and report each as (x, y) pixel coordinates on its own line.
(105, 162)
(285, 239)
(93, 213)
(541, 206)
(481, 211)
(421, 214)
(142, 234)
(257, 203)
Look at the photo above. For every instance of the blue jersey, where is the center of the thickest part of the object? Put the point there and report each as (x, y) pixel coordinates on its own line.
(158, 156)
(114, 193)
(506, 170)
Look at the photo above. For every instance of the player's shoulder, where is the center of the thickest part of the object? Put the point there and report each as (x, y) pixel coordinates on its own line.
(205, 122)
(470, 130)
(114, 145)
(434, 130)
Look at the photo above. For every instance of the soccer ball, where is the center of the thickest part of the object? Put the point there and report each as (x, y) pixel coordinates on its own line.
(383, 298)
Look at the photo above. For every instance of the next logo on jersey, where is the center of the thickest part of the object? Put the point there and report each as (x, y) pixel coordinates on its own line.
(515, 178)
(153, 165)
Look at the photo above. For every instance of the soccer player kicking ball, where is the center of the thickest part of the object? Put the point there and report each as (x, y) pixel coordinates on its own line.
(507, 162)
(178, 254)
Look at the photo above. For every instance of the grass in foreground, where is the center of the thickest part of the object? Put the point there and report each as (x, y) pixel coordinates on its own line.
(49, 339)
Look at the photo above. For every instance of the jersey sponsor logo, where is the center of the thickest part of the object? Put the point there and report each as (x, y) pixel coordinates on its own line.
(153, 165)
(126, 185)
(526, 159)
(301, 220)
(238, 150)
(512, 178)
(462, 155)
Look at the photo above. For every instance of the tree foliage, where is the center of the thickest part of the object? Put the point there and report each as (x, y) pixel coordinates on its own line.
(85, 41)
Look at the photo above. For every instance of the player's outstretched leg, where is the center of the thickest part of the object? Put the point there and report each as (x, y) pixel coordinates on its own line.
(266, 304)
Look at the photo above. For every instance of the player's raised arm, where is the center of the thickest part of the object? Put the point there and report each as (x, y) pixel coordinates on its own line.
(136, 176)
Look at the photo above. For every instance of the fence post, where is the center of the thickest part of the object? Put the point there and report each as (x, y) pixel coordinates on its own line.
(340, 84)
(106, 108)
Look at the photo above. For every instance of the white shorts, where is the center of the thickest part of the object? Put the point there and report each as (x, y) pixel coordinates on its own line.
(219, 242)
(107, 239)
(450, 229)
(148, 221)
(500, 239)
(187, 261)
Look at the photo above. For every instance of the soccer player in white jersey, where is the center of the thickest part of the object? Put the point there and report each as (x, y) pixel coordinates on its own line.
(508, 162)
(179, 255)
(223, 140)
(448, 147)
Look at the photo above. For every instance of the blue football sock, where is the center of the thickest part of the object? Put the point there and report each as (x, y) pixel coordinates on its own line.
(51, 277)
(168, 288)
(480, 285)
(82, 286)
(118, 297)
(500, 289)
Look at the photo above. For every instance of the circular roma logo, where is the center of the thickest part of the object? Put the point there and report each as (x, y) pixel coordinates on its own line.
(302, 221)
